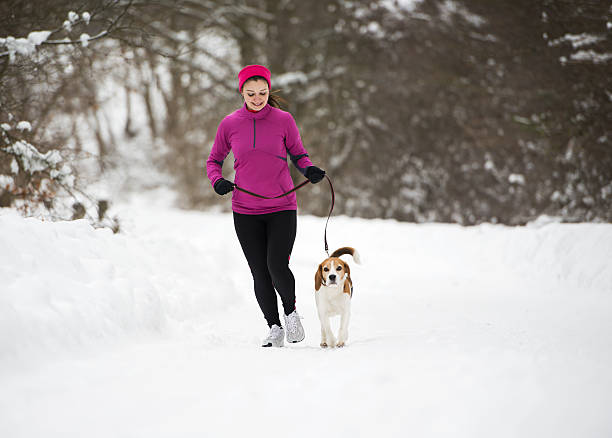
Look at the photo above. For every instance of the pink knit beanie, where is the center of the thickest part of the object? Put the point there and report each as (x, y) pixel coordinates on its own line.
(253, 70)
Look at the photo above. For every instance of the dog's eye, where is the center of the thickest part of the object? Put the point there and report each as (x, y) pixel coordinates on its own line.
(326, 269)
(339, 268)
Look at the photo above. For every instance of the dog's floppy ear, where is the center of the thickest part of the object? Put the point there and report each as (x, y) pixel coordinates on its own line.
(348, 282)
(319, 277)
(348, 286)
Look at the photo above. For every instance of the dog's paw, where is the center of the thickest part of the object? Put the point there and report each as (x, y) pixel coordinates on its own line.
(323, 345)
(340, 344)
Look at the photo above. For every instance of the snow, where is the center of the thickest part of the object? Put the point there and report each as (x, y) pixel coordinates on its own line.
(86, 17)
(38, 37)
(84, 38)
(24, 126)
(581, 40)
(290, 78)
(516, 178)
(6, 182)
(375, 29)
(18, 45)
(591, 56)
(154, 332)
(406, 5)
(577, 40)
(24, 46)
(449, 8)
(32, 159)
(14, 166)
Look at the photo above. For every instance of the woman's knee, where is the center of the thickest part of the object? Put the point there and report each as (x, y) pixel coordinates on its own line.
(279, 269)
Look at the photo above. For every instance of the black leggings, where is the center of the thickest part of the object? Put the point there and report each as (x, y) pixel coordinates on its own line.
(267, 241)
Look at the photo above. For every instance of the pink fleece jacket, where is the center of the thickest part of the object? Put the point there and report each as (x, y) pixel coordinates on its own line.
(260, 142)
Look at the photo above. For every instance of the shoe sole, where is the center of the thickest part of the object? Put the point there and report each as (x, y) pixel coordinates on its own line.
(270, 344)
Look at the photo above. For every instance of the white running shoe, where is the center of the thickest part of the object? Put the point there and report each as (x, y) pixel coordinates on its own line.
(295, 331)
(276, 337)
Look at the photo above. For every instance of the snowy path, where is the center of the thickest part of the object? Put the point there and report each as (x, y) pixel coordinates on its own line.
(458, 332)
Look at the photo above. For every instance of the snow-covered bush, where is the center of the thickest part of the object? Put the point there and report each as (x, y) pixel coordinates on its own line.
(37, 172)
(43, 184)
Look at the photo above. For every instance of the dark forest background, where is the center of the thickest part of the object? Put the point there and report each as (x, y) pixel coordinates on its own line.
(463, 111)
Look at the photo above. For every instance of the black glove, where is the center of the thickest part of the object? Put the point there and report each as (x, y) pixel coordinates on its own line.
(314, 174)
(223, 186)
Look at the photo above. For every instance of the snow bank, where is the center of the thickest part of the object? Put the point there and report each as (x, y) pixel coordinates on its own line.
(66, 284)
(455, 331)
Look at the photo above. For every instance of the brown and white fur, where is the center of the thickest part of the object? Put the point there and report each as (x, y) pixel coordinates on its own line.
(334, 290)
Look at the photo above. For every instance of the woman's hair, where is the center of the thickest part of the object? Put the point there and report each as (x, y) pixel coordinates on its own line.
(274, 99)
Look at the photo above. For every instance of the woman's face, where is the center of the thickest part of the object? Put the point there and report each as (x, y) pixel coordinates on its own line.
(255, 93)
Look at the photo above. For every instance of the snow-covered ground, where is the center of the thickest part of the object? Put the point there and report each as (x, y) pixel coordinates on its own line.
(456, 332)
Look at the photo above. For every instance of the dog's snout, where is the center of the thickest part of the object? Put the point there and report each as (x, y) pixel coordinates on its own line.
(332, 277)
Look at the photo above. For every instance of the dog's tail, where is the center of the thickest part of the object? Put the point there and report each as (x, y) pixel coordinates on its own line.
(347, 250)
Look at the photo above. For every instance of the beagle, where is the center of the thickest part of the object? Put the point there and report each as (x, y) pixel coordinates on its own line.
(333, 292)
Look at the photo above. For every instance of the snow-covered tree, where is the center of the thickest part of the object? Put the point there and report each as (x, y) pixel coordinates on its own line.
(420, 110)
(38, 54)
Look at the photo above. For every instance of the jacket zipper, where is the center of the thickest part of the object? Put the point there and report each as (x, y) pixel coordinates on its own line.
(254, 133)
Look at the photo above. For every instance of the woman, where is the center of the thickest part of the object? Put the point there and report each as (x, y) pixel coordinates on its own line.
(260, 135)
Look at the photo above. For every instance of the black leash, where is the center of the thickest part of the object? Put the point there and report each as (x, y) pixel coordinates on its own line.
(333, 201)
(272, 197)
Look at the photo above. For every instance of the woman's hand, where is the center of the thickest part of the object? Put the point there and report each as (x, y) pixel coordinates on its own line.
(223, 186)
(314, 174)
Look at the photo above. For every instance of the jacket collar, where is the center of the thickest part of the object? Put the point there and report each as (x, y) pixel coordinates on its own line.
(244, 112)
